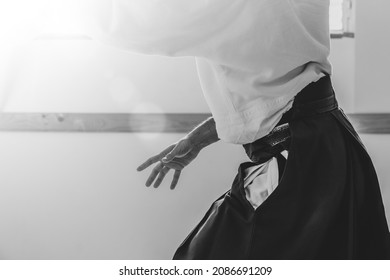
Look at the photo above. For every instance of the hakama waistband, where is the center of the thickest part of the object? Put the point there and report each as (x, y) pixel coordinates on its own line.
(317, 98)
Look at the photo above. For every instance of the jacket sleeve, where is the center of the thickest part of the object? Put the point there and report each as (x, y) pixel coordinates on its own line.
(162, 27)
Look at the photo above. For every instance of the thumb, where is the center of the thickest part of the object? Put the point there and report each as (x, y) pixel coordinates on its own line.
(176, 152)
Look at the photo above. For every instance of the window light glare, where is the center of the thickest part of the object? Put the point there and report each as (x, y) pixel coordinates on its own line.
(21, 20)
(336, 15)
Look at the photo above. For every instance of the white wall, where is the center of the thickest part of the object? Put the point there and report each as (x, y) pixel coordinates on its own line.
(79, 196)
(85, 76)
(343, 61)
(372, 56)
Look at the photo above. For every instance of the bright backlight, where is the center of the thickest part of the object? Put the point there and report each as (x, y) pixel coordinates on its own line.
(336, 15)
(21, 20)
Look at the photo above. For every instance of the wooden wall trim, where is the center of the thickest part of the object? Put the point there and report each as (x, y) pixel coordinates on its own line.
(81, 37)
(371, 123)
(342, 35)
(133, 123)
(99, 122)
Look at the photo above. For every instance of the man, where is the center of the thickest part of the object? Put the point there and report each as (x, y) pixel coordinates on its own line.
(264, 70)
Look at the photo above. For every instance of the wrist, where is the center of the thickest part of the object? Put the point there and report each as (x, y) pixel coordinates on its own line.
(204, 134)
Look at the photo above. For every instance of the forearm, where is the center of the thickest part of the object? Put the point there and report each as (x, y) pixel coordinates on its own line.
(204, 134)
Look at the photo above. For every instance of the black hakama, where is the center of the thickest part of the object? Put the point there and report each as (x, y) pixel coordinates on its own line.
(327, 205)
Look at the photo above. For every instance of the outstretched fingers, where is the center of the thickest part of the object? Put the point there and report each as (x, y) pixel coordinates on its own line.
(175, 179)
(161, 176)
(148, 163)
(154, 159)
(161, 171)
(156, 170)
(164, 164)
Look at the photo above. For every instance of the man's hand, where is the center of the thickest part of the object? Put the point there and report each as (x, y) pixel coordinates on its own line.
(180, 154)
(176, 157)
